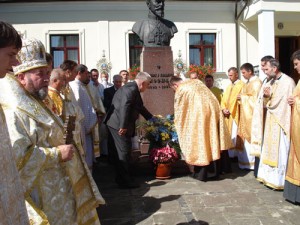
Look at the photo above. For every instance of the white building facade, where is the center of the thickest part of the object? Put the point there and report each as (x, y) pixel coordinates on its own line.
(222, 33)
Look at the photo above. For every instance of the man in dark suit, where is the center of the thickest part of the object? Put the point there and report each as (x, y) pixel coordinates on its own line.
(110, 92)
(126, 106)
(108, 97)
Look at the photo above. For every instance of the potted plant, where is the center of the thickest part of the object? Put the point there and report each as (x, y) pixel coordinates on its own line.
(133, 71)
(201, 71)
(163, 159)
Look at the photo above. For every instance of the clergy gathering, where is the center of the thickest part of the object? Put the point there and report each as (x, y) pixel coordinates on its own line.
(78, 141)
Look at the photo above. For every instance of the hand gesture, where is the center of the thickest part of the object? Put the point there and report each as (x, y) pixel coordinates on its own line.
(122, 131)
(226, 113)
(267, 92)
(291, 100)
(67, 152)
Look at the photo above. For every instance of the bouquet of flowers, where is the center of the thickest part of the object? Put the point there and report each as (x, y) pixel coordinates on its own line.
(133, 71)
(202, 71)
(159, 130)
(163, 155)
(161, 133)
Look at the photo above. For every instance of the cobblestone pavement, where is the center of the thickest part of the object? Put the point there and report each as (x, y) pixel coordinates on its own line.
(235, 199)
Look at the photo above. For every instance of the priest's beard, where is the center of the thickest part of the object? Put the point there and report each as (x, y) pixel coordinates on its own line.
(40, 94)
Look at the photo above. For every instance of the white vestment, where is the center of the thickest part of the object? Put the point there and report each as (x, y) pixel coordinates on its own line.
(275, 141)
(12, 203)
(65, 194)
(233, 152)
(90, 117)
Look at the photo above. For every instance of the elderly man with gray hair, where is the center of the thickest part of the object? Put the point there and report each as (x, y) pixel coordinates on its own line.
(57, 83)
(126, 106)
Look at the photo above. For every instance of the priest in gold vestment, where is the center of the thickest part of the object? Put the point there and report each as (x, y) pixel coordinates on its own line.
(230, 107)
(55, 180)
(209, 82)
(292, 180)
(272, 143)
(54, 100)
(199, 123)
(247, 99)
(12, 202)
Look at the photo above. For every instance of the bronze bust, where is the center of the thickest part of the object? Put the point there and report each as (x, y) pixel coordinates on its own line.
(155, 31)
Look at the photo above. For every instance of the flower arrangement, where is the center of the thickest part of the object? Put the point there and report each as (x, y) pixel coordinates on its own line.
(161, 133)
(163, 155)
(202, 71)
(159, 130)
(133, 71)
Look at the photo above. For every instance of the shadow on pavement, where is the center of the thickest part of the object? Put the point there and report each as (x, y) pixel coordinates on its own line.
(194, 222)
(127, 206)
(131, 206)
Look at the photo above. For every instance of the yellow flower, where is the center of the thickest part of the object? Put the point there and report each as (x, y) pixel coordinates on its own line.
(164, 136)
(167, 124)
(150, 129)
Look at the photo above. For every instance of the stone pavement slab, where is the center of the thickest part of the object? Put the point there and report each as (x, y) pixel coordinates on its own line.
(236, 199)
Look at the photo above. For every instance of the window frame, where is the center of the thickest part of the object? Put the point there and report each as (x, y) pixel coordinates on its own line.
(202, 47)
(81, 41)
(65, 48)
(133, 47)
(218, 61)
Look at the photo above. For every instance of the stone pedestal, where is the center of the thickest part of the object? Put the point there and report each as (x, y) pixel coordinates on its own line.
(158, 62)
(159, 98)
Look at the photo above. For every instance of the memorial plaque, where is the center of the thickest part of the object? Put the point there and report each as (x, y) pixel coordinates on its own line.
(158, 62)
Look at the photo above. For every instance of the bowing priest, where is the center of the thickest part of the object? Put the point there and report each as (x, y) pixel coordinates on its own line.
(55, 181)
(200, 126)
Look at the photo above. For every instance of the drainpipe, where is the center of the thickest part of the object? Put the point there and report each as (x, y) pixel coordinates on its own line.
(237, 16)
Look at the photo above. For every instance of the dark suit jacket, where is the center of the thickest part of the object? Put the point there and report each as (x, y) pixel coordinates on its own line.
(126, 106)
(108, 97)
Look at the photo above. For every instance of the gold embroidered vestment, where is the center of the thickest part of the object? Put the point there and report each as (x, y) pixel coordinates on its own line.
(59, 192)
(293, 169)
(229, 101)
(199, 123)
(249, 95)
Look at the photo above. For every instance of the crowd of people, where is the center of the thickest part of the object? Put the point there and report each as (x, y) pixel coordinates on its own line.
(50, 123)
(55, 122)
(261, 117)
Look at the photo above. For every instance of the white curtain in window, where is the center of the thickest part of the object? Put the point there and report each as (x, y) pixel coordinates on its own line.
(208, 56)
(72, 41)
(58, 58)
(73, 55)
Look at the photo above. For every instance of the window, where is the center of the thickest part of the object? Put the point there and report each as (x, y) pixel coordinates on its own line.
(64, 47)
(135, 49)
(202, 49)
